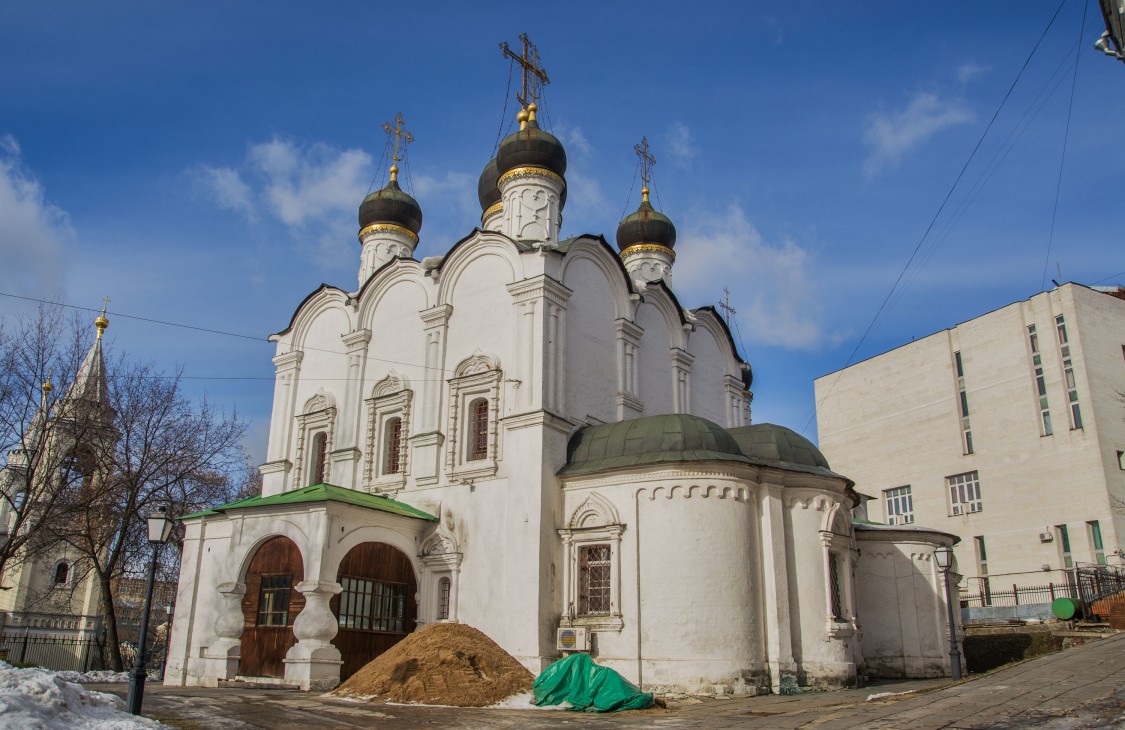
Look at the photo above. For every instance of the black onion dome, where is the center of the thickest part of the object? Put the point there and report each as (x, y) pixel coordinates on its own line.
(646, 225)
(391, 205)
(487, 192)
(531, 147)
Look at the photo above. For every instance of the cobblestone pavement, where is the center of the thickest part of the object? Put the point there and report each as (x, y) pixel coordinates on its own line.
(1082, 687)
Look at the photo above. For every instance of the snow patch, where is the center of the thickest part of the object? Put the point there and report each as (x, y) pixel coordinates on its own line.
(881, 695)
(44, 700)
(526, 701)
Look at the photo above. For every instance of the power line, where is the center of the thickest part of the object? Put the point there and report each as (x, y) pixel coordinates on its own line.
(937, 215)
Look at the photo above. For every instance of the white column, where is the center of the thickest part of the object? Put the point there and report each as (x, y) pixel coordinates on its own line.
(313, 662)
(426, 444)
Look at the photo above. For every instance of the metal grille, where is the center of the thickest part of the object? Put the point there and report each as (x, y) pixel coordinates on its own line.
(834, 586)
(50, 652)
(371, 605)
(478, 447)
(392, 461)
(594, 596)
(443, 598)
(273, 600)
(320, 453)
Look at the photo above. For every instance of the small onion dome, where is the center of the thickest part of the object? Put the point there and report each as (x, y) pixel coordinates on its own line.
(531, 147)
(646, 225)
(487, 192)
(391, 205)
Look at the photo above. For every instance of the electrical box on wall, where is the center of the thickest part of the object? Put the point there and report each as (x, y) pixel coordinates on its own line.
(573, 639)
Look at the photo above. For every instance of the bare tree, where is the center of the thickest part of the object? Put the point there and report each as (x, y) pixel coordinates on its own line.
(169, 451)
(47, 433)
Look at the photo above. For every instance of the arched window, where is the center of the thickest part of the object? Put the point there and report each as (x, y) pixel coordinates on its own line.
(443, 599)
(319, 455)
(62, 574)
(478, 429)
(392, 448)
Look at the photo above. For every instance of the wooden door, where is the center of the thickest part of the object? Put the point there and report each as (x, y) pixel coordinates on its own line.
(270, 606)
(377, 607)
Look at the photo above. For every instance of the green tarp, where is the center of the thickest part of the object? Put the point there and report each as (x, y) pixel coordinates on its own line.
(588, 687)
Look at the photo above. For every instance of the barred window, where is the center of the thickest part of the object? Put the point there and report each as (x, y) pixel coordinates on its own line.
(594, 569)
(964, 493)
(273, 600)
(62, 573)
(372, 605)
(392, 458)
(478, 429)
(443, 598)
(320, 454)
(837, 605)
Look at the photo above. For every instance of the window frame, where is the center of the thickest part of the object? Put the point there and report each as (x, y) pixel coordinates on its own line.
(593, 522)
(391, 399)
(893, 500)
(476, 377)
(956, 493)
(272, 591)
(318, 416)
(380, 595)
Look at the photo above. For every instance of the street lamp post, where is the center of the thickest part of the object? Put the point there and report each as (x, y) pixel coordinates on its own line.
(944, 557)
(159, 530)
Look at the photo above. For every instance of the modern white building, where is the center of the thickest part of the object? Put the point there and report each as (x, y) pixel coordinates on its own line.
(1007, 430)
(529, 434)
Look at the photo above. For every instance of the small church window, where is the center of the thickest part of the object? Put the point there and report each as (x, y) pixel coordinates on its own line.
(594, 586)
(273, 600)
(443, 599)
(478, 429)
(392, 458)
(834, 586)
(62, 574)
(320, 454)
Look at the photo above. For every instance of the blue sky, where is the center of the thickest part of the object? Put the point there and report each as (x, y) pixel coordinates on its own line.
(203, 163)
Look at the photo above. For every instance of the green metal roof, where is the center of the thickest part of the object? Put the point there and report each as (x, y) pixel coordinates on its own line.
(671, 437)
(323, 493)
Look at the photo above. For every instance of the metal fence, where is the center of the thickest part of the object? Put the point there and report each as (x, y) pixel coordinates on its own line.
(986, 594)
(52, 652)
(1090, 584)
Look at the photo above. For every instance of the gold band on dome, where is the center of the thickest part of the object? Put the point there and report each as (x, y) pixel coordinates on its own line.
(387, 228)
(529, 171)
(492, 210)
(648, 248)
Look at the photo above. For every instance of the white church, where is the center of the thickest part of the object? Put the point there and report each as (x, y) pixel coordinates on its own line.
(533, 436)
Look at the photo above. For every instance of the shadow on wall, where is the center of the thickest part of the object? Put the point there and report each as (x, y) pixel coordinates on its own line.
(983, 653)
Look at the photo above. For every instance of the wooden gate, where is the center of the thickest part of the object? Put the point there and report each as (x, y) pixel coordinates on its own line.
(270, 606)
(377, 607)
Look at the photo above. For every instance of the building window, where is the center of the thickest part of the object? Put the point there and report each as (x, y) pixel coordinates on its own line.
(1121, 460)
(1068, 374)
(982, 569)
(963, 402)
(594, 580)
(478, 430)
(62, 574)
(1040, 382)
(900, 505)
(443, 598)
(319, 457)
(834, 587)
(392, 449)
(273, 600)
(1095, 531)
(964, 493)
(372, 605)
(1064, 546)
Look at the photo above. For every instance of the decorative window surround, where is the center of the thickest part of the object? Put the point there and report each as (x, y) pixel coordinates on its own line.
(682, 361)
(629, 404)
(319, 415)
(594, 522)
(390, 398)
(441, 557)
(478, 376)
(838, 557)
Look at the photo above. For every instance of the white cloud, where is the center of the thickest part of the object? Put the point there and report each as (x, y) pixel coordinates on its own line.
(968, 71)
(304, 183)
(681, 146)
(225, 187)
(32, 230)
(892, 135)
(769, 282)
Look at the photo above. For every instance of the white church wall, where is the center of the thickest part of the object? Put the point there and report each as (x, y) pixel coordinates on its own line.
(708, 397)
(591, 366)
(902, 614)
(654, 360)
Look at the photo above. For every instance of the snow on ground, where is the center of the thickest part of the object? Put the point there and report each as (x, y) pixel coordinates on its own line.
(38, 699)
(881, 695)
(101, 675)
(526, 701)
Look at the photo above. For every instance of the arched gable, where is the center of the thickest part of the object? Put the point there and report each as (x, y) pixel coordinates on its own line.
(476, 246)
(664, 301)
(317, 298)
(597, 251)
(323, 300)
(397, 272)
(709, 323)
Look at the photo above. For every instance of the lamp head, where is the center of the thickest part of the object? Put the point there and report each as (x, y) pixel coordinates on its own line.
(160, 526)
(944, 557)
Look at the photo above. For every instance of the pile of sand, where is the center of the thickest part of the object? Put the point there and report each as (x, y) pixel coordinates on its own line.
(441, 664)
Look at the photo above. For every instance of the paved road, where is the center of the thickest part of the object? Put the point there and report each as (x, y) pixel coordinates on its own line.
(1082, 687)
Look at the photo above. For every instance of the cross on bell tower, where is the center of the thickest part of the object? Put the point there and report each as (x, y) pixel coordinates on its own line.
(397, 128)
(644, 155)
(534, 75)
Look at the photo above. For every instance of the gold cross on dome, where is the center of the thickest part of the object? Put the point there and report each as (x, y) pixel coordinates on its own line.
(397, 128)
(105, 304)
(647, 161)
(534, 75)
